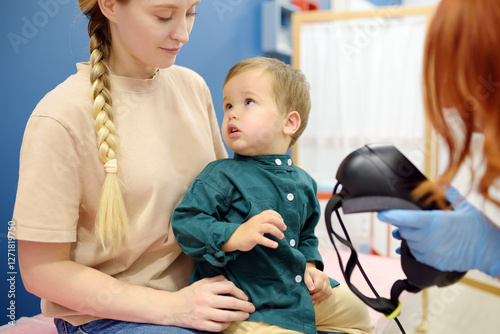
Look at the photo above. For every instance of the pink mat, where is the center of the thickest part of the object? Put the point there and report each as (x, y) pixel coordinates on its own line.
(33, 325)
(382, 271)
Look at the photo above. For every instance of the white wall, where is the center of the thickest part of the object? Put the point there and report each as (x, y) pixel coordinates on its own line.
(348, 5)
(419, 2)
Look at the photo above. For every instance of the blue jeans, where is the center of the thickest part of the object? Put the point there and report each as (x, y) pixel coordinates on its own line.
(119, 327)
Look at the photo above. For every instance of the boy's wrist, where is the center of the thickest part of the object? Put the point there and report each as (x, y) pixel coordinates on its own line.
(228, 247)
(313, 264)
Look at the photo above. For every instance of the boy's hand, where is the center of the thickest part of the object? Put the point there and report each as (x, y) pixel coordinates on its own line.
(317, 283)
(251, 233)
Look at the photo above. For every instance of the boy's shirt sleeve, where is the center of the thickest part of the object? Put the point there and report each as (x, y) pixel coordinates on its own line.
(198, 226)
(309, 243)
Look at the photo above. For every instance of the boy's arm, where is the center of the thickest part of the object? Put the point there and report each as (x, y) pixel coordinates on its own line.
(203, 234)
(199, 227)
(252, 232)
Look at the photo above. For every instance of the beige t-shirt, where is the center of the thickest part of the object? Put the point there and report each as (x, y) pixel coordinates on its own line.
(167, 132)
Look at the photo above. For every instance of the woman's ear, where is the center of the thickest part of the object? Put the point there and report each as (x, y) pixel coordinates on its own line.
(292, 123)
(108, 9)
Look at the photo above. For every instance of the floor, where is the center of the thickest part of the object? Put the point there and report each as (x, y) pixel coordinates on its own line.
(456, 309)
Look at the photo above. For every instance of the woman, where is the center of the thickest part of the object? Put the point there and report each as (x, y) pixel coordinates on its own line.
(462, 96)
(93, 222)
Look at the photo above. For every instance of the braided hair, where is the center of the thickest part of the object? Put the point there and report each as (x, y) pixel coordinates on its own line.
(111, 224)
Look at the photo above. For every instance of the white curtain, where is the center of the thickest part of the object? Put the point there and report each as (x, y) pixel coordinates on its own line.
(365, 77)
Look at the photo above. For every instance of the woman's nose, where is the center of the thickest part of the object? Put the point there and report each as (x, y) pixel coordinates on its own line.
(181, 32)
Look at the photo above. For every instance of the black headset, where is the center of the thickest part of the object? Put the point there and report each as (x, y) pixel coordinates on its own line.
(373, 178)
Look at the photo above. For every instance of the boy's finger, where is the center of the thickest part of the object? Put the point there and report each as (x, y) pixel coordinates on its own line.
(276, 219)
(309, 282)
(268, 243)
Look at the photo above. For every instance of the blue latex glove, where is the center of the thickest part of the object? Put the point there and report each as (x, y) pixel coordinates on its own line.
(453, 240)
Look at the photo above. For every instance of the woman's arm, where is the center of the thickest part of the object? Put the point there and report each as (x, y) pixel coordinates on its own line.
(48, 272)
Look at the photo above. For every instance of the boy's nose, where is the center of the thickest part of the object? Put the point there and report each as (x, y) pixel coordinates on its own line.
(231, 114)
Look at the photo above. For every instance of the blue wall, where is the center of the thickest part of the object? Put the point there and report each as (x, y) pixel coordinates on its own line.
(41, 42)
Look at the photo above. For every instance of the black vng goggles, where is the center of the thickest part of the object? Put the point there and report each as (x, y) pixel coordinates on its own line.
(373, 178)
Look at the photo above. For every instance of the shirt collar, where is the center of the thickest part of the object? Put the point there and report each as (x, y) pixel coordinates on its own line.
(271, 161)
(127, 84)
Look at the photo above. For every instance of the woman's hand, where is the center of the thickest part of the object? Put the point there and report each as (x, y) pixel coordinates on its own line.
(211, 304)
(317, 283)
(252, 232)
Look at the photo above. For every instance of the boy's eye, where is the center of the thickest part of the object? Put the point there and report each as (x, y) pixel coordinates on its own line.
(249, 102)
(228, 107)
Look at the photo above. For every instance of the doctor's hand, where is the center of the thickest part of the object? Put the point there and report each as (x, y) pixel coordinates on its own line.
(252, 232)
(449, 240)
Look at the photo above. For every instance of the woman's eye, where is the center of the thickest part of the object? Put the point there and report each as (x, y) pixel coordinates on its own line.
(164, 19)
(191, 15)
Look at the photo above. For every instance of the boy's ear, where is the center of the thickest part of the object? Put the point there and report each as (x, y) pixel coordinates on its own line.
(292, 123)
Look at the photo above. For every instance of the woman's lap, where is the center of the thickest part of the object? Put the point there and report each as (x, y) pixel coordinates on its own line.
(119, 327)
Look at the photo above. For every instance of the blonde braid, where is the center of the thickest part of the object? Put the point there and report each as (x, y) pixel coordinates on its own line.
(111, 225)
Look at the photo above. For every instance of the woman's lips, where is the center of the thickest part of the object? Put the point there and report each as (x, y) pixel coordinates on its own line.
(173, 52)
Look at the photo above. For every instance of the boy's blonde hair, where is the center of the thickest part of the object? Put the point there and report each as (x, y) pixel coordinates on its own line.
(290, 86)
(111, 224)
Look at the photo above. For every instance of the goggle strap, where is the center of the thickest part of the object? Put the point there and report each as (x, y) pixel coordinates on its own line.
(389, 307)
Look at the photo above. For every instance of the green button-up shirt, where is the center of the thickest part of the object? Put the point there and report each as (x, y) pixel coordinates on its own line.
(229, 192)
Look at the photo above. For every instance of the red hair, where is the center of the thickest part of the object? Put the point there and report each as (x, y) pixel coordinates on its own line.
(462, 83)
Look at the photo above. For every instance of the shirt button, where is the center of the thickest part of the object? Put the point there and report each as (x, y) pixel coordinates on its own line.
(289, 162)
(278, 162)
(292, 242)
(298, 278)
(290, 197)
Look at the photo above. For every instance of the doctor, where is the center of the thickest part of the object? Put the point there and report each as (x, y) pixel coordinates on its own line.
(461, 96)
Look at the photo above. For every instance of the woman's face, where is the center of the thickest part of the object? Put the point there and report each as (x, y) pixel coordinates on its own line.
(148, 34)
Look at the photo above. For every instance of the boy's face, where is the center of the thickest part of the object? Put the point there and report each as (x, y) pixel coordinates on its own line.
(253, 123)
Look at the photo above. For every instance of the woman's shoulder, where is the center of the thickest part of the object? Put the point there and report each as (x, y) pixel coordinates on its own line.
(69, 105)
(71, 94)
